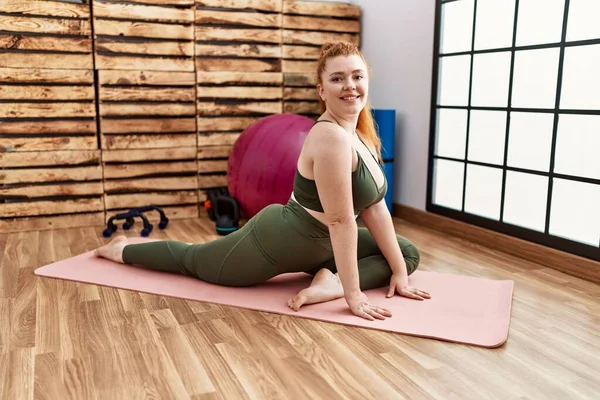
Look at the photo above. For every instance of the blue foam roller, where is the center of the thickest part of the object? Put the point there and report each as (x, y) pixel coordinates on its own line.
(386, 125)
(388, 168)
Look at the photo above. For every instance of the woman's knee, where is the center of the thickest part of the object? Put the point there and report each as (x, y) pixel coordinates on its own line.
(411, 254)
(412, 258)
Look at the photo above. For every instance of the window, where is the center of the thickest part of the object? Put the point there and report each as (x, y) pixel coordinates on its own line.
(515, 122)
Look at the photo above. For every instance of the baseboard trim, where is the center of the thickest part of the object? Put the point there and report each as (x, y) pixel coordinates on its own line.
(571, 264)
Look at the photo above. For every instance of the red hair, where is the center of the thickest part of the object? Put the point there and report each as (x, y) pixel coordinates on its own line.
(365, 125)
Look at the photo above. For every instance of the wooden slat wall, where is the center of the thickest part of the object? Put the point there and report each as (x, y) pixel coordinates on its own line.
(307, 26)
(238, 67)
(132, 36)
(45, 33)
(50, 189)
(136, 177)
(108, 105)
(146, 85)
(50, 173)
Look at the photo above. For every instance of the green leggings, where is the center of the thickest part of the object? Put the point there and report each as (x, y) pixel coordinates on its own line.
(279, 239)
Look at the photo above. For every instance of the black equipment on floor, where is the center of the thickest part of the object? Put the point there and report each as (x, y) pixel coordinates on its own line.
(129, 220)
(224, 210)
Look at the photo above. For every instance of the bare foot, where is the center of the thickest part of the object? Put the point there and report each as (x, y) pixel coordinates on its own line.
(325, 286)
(113, 250)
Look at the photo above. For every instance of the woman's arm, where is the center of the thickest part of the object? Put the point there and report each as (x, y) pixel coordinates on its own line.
(379, 222)
(332, 169)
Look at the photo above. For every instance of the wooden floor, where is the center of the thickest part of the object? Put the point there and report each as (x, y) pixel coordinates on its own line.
(61, 339)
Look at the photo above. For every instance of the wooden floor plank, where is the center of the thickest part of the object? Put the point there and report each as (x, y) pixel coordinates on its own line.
(24, 307)
(49, 379)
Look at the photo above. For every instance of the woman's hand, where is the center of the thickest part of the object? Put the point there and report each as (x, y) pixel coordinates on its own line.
(400, 284)
(360, 305)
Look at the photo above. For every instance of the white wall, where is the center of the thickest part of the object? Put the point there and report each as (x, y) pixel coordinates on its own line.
(397, 40)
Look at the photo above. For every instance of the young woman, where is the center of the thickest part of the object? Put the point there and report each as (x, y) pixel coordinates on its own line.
(338, 177)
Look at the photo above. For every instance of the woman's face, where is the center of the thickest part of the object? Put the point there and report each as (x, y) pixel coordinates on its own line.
(345, 85)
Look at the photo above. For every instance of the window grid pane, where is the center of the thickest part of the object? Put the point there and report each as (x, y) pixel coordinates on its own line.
(526, 128)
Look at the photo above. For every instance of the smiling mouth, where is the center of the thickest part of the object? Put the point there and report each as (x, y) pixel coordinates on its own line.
(349, 98)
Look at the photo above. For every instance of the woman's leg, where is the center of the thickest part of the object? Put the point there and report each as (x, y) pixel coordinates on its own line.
(264, 247)
(158, 255)
(373, 269)
(232, 260)
(202, 261)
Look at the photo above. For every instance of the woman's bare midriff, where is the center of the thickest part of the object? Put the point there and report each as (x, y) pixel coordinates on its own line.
(319, 216)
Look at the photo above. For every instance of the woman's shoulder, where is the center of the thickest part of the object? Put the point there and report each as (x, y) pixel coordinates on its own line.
(326, 134)
(329, 144)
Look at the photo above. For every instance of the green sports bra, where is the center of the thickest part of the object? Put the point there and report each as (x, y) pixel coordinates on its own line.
(364, 188)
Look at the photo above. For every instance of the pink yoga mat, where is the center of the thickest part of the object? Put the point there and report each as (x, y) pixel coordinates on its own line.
(463, 309)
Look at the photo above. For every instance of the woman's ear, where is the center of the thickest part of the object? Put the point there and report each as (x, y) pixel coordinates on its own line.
(320, 92)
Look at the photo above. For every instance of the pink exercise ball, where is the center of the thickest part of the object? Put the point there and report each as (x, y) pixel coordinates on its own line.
(263, 161)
